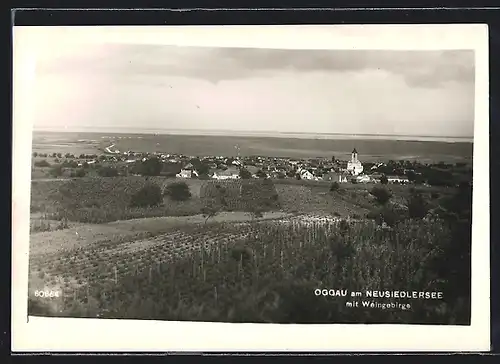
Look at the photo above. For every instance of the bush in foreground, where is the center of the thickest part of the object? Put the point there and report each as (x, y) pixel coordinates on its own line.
(381, 194)
(148, 196)
(178, 191)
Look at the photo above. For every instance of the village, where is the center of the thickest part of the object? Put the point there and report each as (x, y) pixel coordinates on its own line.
(328, 169)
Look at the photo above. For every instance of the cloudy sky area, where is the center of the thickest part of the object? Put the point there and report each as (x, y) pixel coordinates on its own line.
(311, 91)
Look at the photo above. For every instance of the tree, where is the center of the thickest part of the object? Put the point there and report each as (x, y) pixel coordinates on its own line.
(56, 171)
(107, 171)
(255, 211)
(80, 172)
(215, 204)
(35, 154)
(384, 179)
(412, 176)
(178, 191)
(261, 174)
(54, 155)
(147, 196)
(210, 210)
(245, 174)
(333, 159)
(381, 195)
(417, 206)
(67, 155)
(59, 155)
(202, 169)
(151, 167)
(42, 163)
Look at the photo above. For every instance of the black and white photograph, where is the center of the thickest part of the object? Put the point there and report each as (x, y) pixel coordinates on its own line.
(246, 184)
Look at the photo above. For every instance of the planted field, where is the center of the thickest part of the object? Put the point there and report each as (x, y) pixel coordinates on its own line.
(307, 199)
(258, 272)
(99, 200)
(242, 195)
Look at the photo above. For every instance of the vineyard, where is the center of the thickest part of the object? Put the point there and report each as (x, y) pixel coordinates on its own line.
(100, 200)
(253, 272)
(242, 195)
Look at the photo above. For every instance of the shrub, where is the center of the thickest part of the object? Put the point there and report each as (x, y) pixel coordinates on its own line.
(381, 195)
(151, 167)
(373, 214)
(384, 180)
(417, 206)
(42, 163)
(80, 172)
(147, 196)
(107, 172)
(245, 174)
(334, 186)
(387, 214)
(178, 191)
(56, 171)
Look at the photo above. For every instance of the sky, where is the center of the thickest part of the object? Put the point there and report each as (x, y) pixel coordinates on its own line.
(153, 86)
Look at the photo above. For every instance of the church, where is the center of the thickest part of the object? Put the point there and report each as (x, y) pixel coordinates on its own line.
(354, 166)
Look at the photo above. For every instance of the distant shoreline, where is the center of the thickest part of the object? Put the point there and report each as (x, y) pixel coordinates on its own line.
(249, 134)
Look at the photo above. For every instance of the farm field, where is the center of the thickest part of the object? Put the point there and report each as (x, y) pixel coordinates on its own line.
(253, 272)
(114, 266)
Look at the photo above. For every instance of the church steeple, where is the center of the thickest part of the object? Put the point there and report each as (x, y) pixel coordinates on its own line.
(354, 156)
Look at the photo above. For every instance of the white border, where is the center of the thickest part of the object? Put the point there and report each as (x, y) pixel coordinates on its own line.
(52, 334)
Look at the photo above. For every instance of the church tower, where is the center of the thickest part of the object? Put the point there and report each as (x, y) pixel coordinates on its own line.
(354, 166)
(354, 156)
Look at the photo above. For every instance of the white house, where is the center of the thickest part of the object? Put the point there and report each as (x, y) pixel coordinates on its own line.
(354, 166)
(377, 166)
(230, 173)
(185, 173)
(363, 178)
(305, 174)
(397, 179)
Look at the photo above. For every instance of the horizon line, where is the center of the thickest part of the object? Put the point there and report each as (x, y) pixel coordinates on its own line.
(141, 130)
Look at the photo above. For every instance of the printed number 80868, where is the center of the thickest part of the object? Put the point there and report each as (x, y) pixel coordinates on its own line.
(46, 294)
